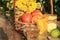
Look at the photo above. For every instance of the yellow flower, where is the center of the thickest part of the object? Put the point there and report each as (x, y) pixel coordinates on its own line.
(24, 8)
(21, 5)
(18, 4)
(32, 7)
(32, 0)
(25, 2)
(26, 5)
(22, 1)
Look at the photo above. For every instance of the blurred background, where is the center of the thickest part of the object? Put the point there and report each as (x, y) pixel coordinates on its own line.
(7, 5)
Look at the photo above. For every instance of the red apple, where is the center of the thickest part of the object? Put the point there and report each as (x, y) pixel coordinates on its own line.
(36, 13)
(27, 18)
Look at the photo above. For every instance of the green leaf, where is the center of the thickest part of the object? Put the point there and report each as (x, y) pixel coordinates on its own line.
(6, 0)
(55, 1)
(1, 9)
(57, 10)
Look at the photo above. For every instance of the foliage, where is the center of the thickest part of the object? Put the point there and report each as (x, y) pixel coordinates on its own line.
(6, 5)
(56, 6)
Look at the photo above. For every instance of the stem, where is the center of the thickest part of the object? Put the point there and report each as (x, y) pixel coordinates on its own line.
(51, 4)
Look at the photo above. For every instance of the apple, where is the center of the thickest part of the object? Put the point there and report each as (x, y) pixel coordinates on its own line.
(27, 18)
(36, 13)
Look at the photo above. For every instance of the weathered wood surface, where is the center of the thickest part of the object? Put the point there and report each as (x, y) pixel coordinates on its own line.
(7, 32)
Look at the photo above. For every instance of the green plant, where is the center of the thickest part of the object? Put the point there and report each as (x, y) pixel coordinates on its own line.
(6, 6)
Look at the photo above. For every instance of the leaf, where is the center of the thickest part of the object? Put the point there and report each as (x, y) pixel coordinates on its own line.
(1, 9)
(55, 1)
(57, 10)
(6, 0)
